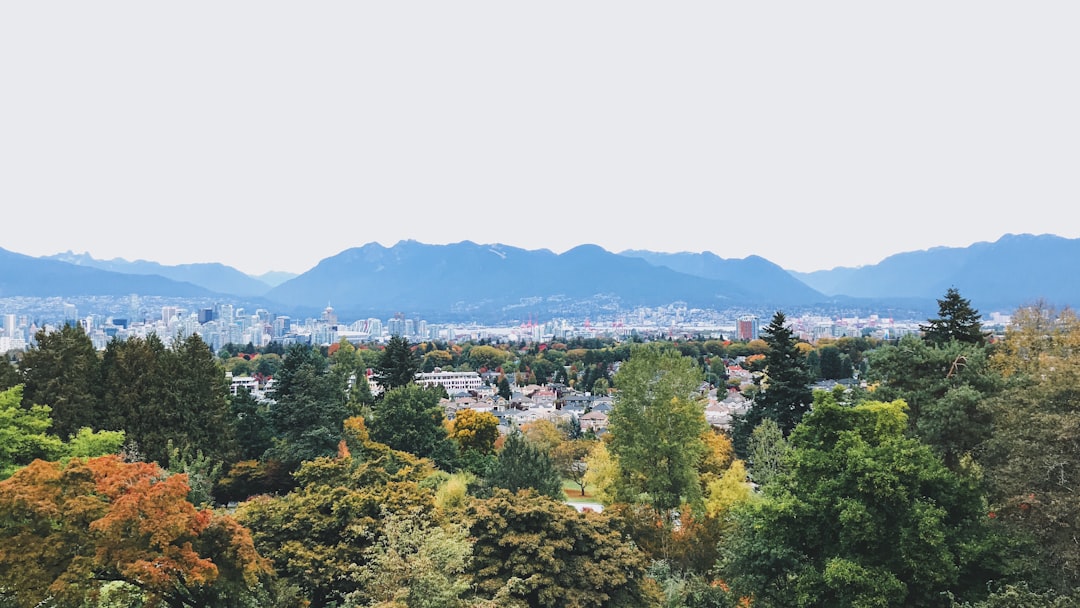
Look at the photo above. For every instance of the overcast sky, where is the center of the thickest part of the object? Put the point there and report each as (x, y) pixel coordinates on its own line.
(270, 135)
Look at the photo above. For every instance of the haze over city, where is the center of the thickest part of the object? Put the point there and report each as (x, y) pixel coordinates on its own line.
(267, 137)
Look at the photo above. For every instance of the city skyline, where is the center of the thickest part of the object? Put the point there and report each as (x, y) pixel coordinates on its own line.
(267, 138)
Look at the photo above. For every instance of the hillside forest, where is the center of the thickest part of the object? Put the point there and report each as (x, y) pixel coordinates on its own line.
(941, 471)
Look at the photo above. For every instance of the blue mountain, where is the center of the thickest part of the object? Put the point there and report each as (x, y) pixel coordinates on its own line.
(499, 280)
(214, 277)
(23, 275)
(1015, 270)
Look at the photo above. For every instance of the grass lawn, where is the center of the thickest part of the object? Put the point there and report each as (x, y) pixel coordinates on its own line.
(573, 492)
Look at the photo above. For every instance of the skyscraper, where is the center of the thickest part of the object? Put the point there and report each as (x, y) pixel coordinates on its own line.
(747, 328)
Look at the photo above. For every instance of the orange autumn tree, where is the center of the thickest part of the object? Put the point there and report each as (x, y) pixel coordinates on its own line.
(66, 530)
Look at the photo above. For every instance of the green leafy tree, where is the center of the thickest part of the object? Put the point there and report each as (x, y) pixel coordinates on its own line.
(833, 364)
(397, 365)
(195, 413)
(410, 419)
(62, 371)
(548, 554)
(24, 433)
(133, 385)
(768, 450)
(945, 387)
(865, 516)
(521, 465)
(251, 424)
(956, 320)
(656, 426)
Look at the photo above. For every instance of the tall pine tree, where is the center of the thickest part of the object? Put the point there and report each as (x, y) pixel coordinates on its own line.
(397, 366)
(785, 393)
(956, 320)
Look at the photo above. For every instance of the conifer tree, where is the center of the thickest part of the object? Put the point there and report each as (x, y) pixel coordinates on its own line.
(521, 465)
(62, 372)
(785, 393)
(956, 320)
(397, 366)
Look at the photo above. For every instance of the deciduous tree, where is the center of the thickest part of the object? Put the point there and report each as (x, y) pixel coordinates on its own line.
(656, 426)
(866, 516)
(65, 530)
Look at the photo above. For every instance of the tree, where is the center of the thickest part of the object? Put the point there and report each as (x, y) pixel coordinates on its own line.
(784, 394)
(1032, 460)
(521, 465)
(569, 457)
(308, 411)
(833, 364)
(24, 436)
(9, 374)
(24, 433)
(946, 389)
(63, 372)
(410, 419)
(504, 388)
(656, 426)
(865, 516)
(320, 534)
(65, 530)
(195, 412)
(397, 366)
(548, 554)
(768, 450)
(544, 434)
(956, 320)
(417, 563)
(133, 384)
(475, 431)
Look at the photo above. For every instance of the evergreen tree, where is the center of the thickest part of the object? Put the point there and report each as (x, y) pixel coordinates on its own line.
(956, 320)
(309, 408)
(504, 388)
(521, 465)
(785, 393)
(410, 419)
(397, 366)
(63, 372)
(133, 386)
(195, 412)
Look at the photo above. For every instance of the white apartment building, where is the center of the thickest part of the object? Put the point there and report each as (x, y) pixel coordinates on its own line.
(453, 382)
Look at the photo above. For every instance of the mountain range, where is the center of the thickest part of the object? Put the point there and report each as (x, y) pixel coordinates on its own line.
(493, 282)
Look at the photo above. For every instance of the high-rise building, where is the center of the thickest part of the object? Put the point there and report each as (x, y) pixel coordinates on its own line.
(206, 315)
(71, 315)
(10, 325)
(168, 312)
(282, 326)
(747, 327)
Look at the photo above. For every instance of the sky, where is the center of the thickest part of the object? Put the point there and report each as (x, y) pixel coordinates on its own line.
(269, 135)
